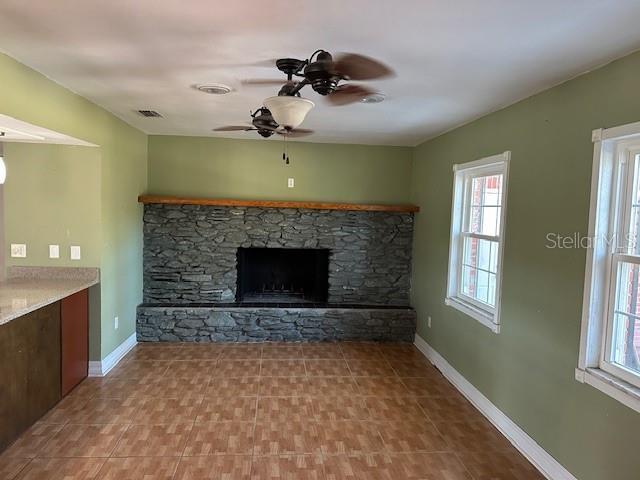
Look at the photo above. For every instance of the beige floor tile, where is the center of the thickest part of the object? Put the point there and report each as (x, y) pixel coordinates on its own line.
(433, 385)
(281, 352)
(139, 369)
(381, 386)
(429, 466)
(89, 387)
(107, 410)
(64, 410)
(282, 368)
(371, 466)
(333, 386)
(278, 438)
(216, 467)
(404, 437)
(508, 465)
(395, 409)
(237, 368)
(84, 441)
(220, 438)
(287, 467)
(31, 442)
(327, 368)
(156, 411)
(157, 352)
(340, 408)
(227, 409)
(411, 367)
(361, 350)
(165, 387)
(233, 387)
(474, 436)
(450, 408)
(284, 386)
(191, 369)
(370, 368)
(62, 469)
(241, 352)
(349, 437)
(283, 409)
(11, 467)
(320, 351)
(140, 468)
(153, 440)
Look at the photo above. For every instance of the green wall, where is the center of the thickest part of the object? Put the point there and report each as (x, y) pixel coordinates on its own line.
(57, 188)
(31, 97)
(528, 369)
(253, 169)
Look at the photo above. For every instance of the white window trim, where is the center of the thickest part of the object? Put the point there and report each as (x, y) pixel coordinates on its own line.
(598, 281)
(489, 317)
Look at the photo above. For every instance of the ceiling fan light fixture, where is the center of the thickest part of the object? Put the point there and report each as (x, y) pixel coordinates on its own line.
(288, 111)
(375, 97)
(214, 88)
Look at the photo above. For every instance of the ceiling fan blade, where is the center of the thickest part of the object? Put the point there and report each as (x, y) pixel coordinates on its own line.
(346, 94)
(264, 81)
(233, 128)
(296, 132)
(360, 67)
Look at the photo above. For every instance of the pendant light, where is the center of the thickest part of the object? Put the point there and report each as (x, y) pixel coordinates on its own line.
(288, 111)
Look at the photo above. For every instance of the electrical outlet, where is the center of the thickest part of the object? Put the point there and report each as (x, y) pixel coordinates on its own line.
(429, 321)
(54, 251)
(18, 250)
(115, 323)
(75, 252)
(291, 183)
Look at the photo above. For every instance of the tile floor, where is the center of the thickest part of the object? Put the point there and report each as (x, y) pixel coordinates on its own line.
(266, 411)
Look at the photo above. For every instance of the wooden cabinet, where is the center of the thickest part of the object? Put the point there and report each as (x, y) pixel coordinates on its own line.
(75, 340)
(43, 356)
(30, 370)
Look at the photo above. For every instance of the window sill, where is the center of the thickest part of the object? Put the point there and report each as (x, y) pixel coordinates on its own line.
(611, 385)
(485, 318)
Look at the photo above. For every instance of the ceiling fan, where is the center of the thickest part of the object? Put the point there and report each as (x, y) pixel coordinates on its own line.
(325, 74)
(262, 122)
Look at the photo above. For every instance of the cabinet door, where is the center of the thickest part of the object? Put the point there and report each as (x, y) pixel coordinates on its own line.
(29, 370)
(75, 340)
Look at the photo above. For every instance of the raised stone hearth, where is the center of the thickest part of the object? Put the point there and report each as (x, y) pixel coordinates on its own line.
(258, 324)
(191, 274)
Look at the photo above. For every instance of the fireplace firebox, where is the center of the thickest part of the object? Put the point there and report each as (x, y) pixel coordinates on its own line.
(283, 275)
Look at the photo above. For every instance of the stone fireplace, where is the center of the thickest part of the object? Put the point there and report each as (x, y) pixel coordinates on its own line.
(231, 273)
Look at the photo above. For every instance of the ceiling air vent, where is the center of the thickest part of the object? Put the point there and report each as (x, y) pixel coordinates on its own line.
(149, 113)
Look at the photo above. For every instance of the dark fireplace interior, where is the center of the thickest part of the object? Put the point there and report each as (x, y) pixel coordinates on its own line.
(283, 275)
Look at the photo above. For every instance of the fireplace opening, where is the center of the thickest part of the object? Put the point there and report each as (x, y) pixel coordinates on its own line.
(283, 275)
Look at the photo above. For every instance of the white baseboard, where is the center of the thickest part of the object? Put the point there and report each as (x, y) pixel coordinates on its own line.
(101, 368)
(545, 463)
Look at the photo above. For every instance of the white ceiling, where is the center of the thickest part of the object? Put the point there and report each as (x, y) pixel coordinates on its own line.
(14, 130)
(455, 60)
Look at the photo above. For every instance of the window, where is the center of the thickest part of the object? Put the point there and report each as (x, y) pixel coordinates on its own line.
(477, 230)
(610, 339)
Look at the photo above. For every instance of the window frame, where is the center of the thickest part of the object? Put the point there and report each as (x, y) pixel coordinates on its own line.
(612, 183)
(463, 175)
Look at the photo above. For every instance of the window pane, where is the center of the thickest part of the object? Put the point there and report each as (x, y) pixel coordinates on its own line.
(634, 218)
(479, 285)
(625, 337)
(483, 215)
(480, 253)
(625, 350)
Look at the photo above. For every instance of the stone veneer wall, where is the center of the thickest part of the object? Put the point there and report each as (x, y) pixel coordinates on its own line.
(190, 250)
(253, 324)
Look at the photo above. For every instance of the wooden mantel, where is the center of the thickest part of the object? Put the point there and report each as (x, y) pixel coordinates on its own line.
(226, 202)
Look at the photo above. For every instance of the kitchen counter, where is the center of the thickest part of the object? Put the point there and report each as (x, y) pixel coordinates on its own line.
(27, 289)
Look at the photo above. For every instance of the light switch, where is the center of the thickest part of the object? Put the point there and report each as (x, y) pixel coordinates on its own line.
(54, 251)
(291, 183)
(18, 250)
(75, 252)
